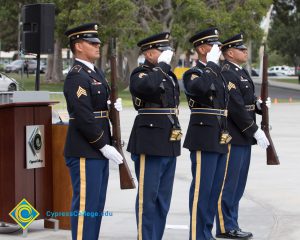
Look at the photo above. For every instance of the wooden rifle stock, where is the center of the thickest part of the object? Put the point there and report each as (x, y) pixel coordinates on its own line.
(272, 158)
(126, 180)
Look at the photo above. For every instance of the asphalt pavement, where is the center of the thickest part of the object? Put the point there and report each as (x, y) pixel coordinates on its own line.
(270, 208)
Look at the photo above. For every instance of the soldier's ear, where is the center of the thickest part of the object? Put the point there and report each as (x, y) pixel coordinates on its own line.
(78, 46)
(201, 49)
(230, 53)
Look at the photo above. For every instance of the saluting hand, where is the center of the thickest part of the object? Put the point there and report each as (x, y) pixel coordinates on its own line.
(214, 54)
(165, 56)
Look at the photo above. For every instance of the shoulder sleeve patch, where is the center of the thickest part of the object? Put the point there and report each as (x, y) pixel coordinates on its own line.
(231, 86)
(141, 75)
(81, 92)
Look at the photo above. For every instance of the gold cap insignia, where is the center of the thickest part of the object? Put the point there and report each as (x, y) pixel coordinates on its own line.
(231, 85)
(141, 75)
(81, 92)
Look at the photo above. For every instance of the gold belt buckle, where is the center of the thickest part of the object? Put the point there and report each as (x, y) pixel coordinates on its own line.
(175, 135)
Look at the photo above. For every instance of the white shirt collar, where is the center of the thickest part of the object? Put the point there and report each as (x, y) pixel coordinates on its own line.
(236, 65)
(86, 63)
(202, 62)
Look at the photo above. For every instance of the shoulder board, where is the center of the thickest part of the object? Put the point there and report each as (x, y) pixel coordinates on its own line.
(145, 66)
(225, 67)
(194, 70)
(140, 69)
(76, 68)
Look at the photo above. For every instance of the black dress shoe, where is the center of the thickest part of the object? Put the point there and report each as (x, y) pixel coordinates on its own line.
(235, 234)
(212, 238)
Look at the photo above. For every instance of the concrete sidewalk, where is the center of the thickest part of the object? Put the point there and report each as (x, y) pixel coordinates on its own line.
(272, 82)
(270, 207)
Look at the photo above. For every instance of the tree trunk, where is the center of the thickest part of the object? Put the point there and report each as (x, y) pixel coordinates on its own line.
(57, 64)
(54, 69)
(104, 51)
(132, 57)
(121, 70)
(49, 70)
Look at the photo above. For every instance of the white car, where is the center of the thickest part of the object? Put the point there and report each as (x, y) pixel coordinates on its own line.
(280, 71)
(7, 83)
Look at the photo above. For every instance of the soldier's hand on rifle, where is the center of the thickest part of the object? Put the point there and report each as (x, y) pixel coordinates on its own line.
(259, 102)
(118, 104)
(165, 56)
(261, 139)
(112, 154)
(214, 54)
(268, 102)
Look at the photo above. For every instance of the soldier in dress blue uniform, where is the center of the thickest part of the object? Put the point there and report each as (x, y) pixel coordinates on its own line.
(88, 143)
(207, 136)
(244, 131)
(155, 138)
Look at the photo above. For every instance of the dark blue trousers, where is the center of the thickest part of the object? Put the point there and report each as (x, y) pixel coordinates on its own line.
(89, 180)
(234, 187)
(156, 176)
(208, 170)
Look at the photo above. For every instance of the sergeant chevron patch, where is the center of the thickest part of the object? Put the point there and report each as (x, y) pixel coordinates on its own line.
(231, 85)
(81, 91)
(194, 76)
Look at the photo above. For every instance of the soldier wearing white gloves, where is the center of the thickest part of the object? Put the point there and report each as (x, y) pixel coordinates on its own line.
(87, 149)
(242, 109)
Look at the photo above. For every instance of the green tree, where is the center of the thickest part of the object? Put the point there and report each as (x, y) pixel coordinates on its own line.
(131, 20)
(285, 30)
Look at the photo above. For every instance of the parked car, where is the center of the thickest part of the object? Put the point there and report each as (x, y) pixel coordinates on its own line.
(254, 72)
(43, 67)
(18, 65)
(8, 83)
(66, 70)
(280, 70)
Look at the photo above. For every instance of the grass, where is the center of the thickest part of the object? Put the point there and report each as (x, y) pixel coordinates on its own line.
(28, 84)
(295, 81)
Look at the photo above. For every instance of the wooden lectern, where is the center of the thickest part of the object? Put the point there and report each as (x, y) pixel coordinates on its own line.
(62, 186)
(17, 182)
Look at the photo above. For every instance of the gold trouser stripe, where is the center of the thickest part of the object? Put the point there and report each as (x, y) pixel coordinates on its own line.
(221, 218)
(196, 194)
(141, 195)
(82, 199)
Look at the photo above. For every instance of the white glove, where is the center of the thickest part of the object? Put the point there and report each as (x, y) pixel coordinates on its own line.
(165, 56)
(112, 154)
(259, 102)
(268, 102)
(261, 139)
(214, 54)
(118, 104)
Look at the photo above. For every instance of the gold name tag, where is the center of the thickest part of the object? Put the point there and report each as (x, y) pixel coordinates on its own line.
(175, 135)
